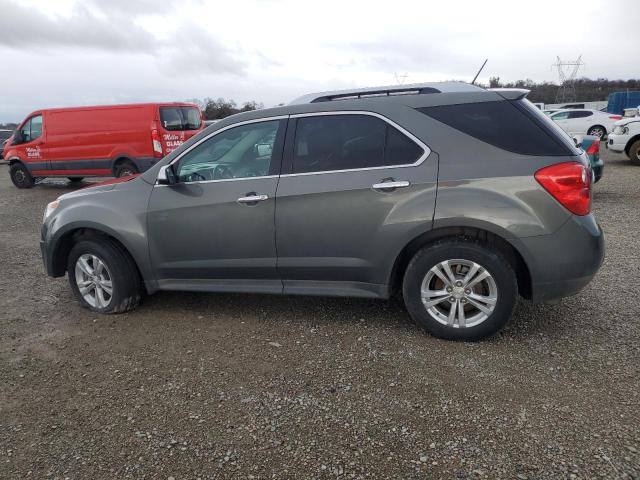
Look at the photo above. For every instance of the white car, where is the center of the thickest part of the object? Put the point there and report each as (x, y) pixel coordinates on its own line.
(581, 121)
(626, 138)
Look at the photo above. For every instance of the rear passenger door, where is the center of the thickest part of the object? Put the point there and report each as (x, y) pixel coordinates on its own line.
(354, 187)
(580, 121)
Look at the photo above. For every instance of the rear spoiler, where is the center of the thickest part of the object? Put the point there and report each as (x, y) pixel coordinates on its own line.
(511, 93)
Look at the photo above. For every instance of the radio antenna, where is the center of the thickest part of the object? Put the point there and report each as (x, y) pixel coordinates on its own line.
(476, 77)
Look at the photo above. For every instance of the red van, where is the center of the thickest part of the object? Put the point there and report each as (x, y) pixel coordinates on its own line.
(115, 140)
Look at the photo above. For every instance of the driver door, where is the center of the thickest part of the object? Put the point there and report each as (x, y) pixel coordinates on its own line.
(214, 229)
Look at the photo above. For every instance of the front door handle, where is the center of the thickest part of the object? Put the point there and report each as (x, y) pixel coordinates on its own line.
(389, 186)
(252, 198)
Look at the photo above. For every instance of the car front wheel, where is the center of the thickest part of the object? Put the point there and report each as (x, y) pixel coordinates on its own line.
(103, 276)
(460, 289)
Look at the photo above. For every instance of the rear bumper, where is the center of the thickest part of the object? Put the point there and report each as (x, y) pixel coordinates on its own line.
(563, 263)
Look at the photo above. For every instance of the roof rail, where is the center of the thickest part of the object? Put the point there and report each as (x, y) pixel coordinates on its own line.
(386, 91)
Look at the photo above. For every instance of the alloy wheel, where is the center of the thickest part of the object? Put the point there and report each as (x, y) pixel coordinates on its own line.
(459, 293)
(94, 280)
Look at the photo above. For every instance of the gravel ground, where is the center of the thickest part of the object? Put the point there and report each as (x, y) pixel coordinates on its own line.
(249, 386)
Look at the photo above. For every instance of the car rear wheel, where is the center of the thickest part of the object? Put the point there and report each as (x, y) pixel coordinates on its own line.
(634, 152)
(126, 168)
(103, 276)
(597, 131)
(75, 179)
(20, 176)
(460, 289)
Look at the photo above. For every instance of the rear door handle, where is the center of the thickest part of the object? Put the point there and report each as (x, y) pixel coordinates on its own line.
(388, 186)
(252, 199)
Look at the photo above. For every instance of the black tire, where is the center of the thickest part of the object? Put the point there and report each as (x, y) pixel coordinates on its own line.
(20, 176)
(127, 287)
(491, 259)
(75, 179)
(634, 152)
(597, 131)
(125, 168)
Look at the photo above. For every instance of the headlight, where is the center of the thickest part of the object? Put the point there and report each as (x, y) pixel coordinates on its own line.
(621, 130)
(50, 209)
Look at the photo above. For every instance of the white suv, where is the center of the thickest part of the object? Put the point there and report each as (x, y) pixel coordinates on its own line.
(626, 138)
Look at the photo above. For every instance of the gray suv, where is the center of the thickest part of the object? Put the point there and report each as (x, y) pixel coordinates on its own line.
(458, 197)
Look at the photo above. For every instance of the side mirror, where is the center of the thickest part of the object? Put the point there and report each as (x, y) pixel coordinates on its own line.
(263, 149)
(167, 175)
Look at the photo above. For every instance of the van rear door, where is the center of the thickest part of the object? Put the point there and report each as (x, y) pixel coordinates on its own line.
(178, 123)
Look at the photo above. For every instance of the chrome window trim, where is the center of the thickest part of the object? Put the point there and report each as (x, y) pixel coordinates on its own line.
(222, 180)
(420, 143)
(213, 134)
(426, 150)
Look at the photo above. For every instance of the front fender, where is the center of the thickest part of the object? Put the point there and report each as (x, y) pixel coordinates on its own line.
(119, 211)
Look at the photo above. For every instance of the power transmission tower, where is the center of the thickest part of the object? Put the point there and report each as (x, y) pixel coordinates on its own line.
(400, 79)
(567, 72)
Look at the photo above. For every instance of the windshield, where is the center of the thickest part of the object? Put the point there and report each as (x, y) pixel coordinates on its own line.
(180, 118)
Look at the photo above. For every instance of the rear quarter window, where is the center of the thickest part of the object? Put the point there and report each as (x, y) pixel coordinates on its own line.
(502, 124)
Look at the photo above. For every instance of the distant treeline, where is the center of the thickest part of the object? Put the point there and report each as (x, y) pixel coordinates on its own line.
(221, 108)
(8, 126)
(587, 90)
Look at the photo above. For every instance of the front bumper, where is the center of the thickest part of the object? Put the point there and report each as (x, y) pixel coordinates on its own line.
(563, 263)
(617, 143)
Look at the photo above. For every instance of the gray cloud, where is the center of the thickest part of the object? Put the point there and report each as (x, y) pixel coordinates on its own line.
(110, 26)
(25, 27)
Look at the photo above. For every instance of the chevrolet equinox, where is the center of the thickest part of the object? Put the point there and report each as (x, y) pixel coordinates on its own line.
(458, 197)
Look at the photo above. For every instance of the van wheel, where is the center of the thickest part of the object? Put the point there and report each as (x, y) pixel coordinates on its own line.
(20, 176)
(75, 179)
(634, 152)
(103, 276)
(460, 289)
(126, 168)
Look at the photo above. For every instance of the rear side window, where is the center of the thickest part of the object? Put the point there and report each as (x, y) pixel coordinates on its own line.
(503, 125)
(180, 118)
(346, 142)
(580, 114)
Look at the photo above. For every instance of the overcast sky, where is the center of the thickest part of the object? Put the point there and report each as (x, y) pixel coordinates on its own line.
(83, 52)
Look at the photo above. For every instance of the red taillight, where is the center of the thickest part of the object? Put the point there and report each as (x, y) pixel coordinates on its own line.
(569, 183)
(615, 117)
(594, 147)
(157, 144)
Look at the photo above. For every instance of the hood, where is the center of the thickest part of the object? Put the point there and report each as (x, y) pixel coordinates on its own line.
(114, 181)
(99, 187)
(628, 120)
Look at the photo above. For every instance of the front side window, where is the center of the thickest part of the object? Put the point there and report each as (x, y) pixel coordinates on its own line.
(239, 152)
(180, 118)
(346, 142)
(32, 129)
